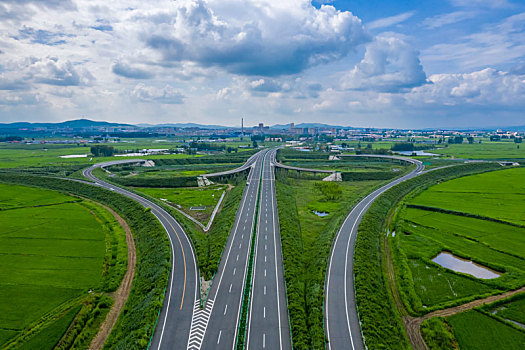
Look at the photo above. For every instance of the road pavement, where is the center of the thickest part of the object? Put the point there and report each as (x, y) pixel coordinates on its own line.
(182, 292)
(268, 325)
(342, 327)
(224, 302)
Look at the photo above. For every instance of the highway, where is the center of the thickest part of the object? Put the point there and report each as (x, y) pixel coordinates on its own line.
(268, 325)
(341, 320)
(223, 307)
(182, 293)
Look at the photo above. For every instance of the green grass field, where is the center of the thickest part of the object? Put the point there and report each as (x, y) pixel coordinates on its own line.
(474, 330)
(53, 248)
(484, 150)
(422, 233)
(44, 155)
(190, 197)
(500, 195)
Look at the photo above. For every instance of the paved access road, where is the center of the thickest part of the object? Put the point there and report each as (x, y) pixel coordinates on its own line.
(223, 306)
(341, 321)
(182, 292)
(268, 326)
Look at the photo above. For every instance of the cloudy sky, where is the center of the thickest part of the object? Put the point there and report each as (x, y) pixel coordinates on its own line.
(378, 63)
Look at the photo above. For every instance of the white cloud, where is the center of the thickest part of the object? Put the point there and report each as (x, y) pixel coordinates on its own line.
(390, 64)
(448, 18)
(496, 44)
(390, 21)
(481, 3)
(251, 38)
(166, 95)
(487, 87)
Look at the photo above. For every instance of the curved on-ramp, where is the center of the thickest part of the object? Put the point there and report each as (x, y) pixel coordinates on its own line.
(342, 325)
(182, 293)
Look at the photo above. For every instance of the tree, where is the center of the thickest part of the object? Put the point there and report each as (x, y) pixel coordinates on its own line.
(102, 151)
(518, 140)
(470, 139)
(254, 144)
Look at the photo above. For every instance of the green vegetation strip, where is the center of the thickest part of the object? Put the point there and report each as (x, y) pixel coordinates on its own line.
(306, 242)
(241, 332)
(135, 324)
(381, 323)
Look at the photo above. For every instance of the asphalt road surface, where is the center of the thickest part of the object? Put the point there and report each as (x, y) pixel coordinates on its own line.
(225, 295)
(268, 325)
(342, 323)
(182, 292)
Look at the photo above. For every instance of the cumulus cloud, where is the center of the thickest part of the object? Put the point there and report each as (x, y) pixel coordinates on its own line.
(128, 71)
(487, 87)
(52, 71)
(390, 65)
(166, 95)
(256, 38)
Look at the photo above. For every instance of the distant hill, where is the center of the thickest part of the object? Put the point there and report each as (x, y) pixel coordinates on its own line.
(75, 124)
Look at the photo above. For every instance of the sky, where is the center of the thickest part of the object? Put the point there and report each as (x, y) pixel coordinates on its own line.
(363, 63)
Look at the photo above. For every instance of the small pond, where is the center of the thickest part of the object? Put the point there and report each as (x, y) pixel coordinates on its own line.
(320, 213)
(450, 261)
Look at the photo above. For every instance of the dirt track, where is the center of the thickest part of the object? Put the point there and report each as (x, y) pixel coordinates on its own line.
(121, 295)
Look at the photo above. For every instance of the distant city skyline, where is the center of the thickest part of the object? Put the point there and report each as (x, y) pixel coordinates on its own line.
(375, 63)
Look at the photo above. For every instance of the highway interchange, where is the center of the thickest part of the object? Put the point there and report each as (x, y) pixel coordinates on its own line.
(182, 323)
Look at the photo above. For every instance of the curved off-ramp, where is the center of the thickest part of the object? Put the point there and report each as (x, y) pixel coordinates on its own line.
(342, 327)
(182, 293)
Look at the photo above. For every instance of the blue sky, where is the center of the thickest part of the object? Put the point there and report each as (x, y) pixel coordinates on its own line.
(375, 63)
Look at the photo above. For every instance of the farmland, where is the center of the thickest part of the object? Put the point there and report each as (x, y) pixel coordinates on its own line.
(478, 331)
(53, 249)
(475, 218)
(498, 195)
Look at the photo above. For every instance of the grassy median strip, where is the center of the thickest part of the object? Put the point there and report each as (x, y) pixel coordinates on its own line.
(241, 332)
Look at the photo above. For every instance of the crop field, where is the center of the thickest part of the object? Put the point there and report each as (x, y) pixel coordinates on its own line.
(435, 285)
(53, 248)
(45, 155)
(189, 197)
(484, 150)
(307, 239)
(499, 195)
(423, 232)
(512, 309)
(474, 330)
